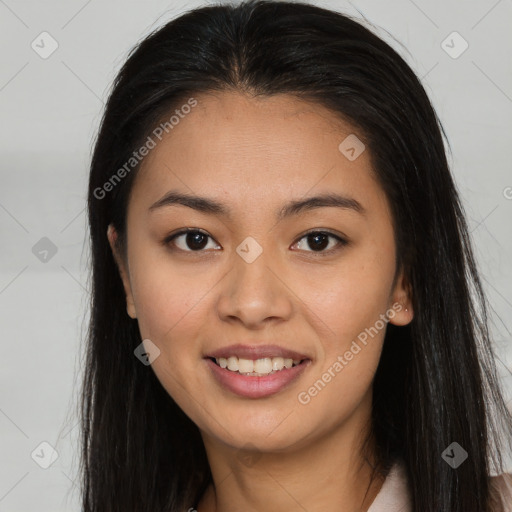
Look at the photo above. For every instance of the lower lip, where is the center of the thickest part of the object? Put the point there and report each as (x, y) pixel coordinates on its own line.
(256, 387)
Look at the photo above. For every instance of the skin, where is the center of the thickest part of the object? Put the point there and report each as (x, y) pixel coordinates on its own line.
(255, 155)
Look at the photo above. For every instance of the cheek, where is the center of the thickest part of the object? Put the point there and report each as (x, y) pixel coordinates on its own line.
(348, 300)
(172, 310)
(350, 310)
(343, 378)
(168, 298)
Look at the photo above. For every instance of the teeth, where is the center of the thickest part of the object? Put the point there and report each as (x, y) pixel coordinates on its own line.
(233, 363)
(277, 363)
(257, 367)
(245, 366)
(263, 365)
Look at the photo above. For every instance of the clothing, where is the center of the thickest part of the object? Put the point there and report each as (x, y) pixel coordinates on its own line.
(394, 495)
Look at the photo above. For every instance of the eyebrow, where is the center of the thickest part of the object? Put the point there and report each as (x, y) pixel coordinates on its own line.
(212, 207)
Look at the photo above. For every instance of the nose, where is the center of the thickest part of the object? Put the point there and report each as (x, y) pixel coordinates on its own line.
(255, 293)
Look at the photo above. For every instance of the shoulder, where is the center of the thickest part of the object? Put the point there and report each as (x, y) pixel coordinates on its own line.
(501, 486)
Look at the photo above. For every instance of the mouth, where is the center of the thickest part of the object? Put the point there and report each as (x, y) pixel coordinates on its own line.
(256, 378)
(256, 370)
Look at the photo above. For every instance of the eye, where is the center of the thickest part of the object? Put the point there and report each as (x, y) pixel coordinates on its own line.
(194, 239)
(319, 240)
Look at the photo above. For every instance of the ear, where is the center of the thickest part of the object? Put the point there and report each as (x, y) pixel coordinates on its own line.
(112, 240)
(401, 302)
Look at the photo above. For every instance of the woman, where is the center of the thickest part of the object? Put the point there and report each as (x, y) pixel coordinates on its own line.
(286, 311)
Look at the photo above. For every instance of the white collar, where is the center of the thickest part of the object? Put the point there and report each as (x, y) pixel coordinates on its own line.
(394, 495)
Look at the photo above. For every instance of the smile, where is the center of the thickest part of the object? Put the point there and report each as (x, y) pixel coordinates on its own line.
(256, 367)
(262, 381)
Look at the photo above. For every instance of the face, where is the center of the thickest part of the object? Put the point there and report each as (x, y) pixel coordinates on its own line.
(316, 279)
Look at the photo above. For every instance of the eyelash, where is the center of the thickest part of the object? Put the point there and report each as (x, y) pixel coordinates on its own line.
(341, 241)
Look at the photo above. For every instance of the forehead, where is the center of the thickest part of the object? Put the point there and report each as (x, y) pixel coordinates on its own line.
(255, 152)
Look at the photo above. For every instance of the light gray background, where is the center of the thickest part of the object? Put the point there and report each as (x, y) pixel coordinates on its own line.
(50, 111)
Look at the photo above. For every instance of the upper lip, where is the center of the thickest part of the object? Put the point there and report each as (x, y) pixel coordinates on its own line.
(256, 352)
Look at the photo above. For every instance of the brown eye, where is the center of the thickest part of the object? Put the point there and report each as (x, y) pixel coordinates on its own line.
(189, 240)
(319, 240)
